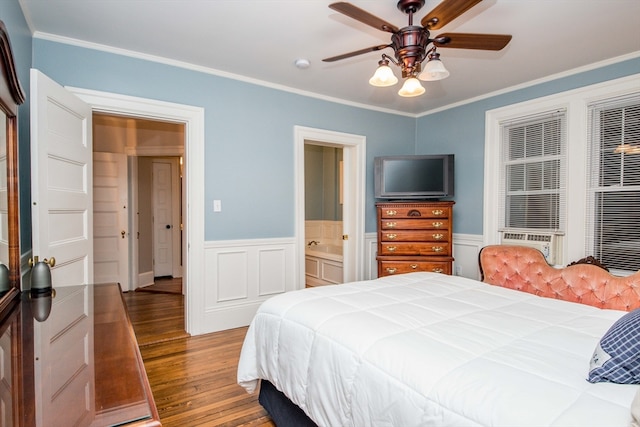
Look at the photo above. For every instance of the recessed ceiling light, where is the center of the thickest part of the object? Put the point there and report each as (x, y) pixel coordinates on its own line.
(302, 63)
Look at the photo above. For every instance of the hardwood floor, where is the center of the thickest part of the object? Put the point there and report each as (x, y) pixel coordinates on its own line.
(193, 379)
(167, 285)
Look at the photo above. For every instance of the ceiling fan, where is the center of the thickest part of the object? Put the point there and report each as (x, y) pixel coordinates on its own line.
(411, 43)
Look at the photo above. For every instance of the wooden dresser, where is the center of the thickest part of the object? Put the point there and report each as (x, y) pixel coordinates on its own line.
(73, 360)
(414, 236)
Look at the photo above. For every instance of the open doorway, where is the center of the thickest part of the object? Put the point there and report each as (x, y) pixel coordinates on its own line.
(324, 200)
(352, 170)
(138, 200)
(195, 314)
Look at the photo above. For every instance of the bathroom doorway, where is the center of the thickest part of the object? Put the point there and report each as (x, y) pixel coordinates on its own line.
(351, 171)
(323, 175)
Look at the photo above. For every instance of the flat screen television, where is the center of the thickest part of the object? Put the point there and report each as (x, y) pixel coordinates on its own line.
(414, 177)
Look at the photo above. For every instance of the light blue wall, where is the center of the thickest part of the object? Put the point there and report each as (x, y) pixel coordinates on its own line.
(461, 131)
(249, 150)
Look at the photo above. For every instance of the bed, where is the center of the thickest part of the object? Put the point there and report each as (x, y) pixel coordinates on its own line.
(427, 349)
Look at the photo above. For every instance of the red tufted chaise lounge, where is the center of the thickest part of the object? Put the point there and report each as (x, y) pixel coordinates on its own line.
(526, 269)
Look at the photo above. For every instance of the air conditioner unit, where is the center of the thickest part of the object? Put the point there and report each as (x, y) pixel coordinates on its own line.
(549, 243)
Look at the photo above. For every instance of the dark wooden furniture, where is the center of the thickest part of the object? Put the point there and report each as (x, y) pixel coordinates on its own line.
(414, 236)
(81, 366)
(11, 96)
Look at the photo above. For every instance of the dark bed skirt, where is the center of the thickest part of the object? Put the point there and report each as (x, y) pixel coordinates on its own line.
(283, 412)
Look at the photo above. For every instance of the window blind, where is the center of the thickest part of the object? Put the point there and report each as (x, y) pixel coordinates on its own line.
(613, 210)
(533, 164)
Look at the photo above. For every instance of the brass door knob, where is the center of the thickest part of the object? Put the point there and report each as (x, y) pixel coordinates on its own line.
(50, 262)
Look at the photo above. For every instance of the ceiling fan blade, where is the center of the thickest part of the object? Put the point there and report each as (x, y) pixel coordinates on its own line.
(356, 53)
(445, 12)
(472, 41)
(363, 16)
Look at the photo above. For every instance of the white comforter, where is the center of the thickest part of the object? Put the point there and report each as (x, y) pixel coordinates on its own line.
(425, 349)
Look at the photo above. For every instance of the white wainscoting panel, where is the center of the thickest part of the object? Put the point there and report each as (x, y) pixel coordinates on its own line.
(240, 275)
(231, 275)
(371, 251)
(272, 278)
(466, 248)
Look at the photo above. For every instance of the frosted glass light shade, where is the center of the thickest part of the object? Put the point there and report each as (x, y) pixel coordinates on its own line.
(434, 70)
(383, 77)
(411, 87)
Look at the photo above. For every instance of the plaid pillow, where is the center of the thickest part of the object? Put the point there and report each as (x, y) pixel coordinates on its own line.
(616, 358)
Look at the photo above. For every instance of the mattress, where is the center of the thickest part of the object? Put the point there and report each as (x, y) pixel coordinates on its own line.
(426, 349)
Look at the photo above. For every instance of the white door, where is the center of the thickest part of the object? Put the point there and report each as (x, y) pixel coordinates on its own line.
(162, 219)
(64, 368)
(61, 181)
(110, 219)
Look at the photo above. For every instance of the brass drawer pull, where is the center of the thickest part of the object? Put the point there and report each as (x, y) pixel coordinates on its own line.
(437, 270)
(438, 224)
(437, 248)
(391, 248)
(414, 266)
(391, 224)
(390, 270)
(437, 212)
(392, 213)
(438, 236)
(391, 236)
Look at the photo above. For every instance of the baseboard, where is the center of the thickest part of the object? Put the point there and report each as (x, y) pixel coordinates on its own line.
(145, 279)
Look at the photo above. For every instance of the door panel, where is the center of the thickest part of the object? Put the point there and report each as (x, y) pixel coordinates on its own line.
(110, 219)
(162, 219)
(61, 181)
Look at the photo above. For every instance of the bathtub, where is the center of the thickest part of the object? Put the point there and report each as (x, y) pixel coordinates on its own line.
(323, 264)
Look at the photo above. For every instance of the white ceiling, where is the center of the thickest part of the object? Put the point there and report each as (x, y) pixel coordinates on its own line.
(259, 40)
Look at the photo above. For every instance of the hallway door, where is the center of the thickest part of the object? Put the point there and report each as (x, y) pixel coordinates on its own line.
(110, 219)
(162, 219)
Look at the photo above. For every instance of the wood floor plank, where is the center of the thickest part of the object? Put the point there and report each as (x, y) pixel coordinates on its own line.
(193, 379)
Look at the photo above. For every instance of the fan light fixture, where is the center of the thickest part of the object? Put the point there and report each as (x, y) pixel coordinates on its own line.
(384, 75)
(433, 70)
(411, 87)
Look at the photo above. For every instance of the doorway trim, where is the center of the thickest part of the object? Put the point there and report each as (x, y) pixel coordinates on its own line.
(354, 161)
(193, 119)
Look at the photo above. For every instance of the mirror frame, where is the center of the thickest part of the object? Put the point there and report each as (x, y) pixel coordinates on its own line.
(11, 96)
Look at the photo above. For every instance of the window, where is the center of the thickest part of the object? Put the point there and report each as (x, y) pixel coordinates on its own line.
(613, 226)
(568, 165)
(533, 159)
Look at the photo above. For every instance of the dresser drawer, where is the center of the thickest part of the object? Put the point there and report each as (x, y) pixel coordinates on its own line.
(415, 224)
(415, 212)
(388, 268)
(414, 248)
(414, 236)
